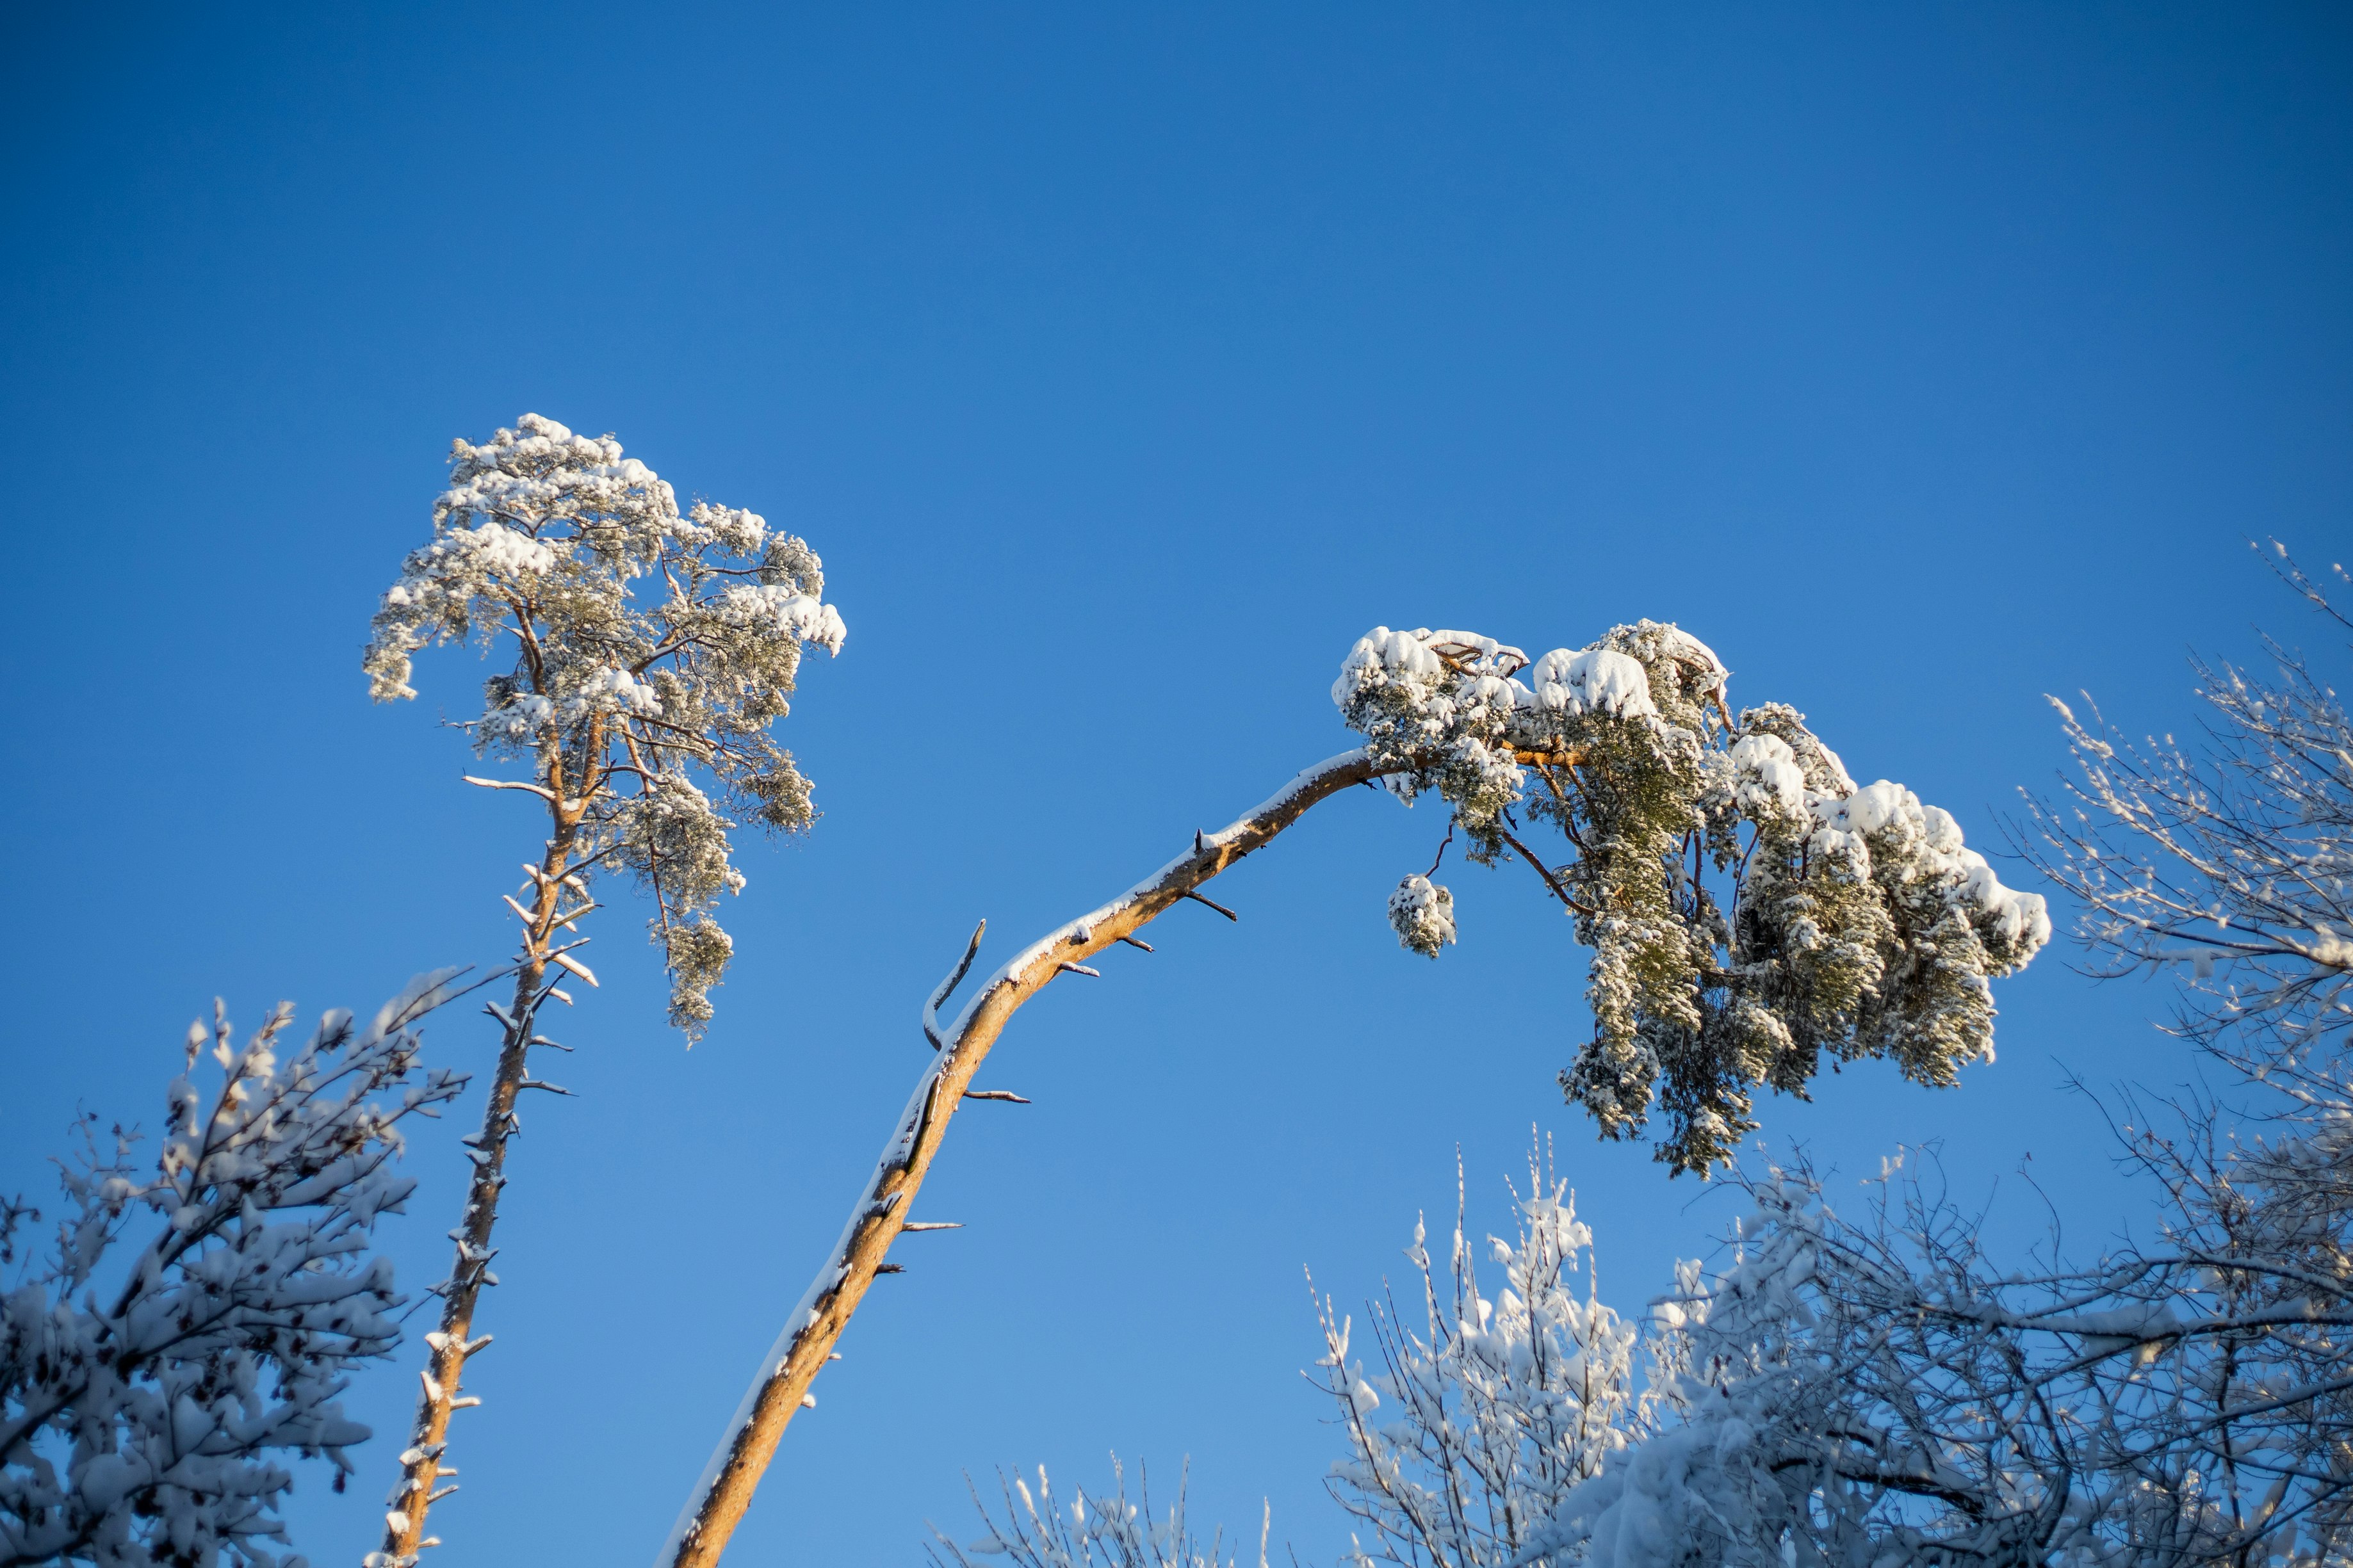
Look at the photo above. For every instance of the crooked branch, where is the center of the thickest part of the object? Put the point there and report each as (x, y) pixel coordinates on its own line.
(878, 1215)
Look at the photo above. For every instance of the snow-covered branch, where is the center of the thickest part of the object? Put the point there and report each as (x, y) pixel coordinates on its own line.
(1749, 906)
(1859, 924)
(194, 1323)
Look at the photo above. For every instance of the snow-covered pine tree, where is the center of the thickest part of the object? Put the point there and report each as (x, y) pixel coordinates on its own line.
(194, 1324)
(654, 651)
(1749, 906)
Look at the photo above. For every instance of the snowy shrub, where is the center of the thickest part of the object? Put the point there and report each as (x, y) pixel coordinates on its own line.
(1749, 906)
(1475, 1428)
(1090, 1531)
(1879, 1394)
(193, 1323)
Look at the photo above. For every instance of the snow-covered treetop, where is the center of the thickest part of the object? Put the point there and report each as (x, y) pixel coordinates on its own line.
(654, 649)
(1749, 906)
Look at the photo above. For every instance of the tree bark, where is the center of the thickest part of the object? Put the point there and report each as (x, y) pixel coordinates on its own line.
(421, 1469)
(727, 1487)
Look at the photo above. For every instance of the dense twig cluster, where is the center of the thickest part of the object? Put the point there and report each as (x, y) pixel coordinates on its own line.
(1497, 1408)
(1879, 1392)
(2231, 857)
(1090, 1531)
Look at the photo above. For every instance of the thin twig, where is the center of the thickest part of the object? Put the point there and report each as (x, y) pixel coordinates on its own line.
(964, 967)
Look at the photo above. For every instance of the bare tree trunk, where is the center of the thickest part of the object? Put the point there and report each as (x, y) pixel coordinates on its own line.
(725, 1489)
(421, 1469)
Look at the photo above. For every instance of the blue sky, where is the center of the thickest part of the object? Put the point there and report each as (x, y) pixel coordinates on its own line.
(1124, 365)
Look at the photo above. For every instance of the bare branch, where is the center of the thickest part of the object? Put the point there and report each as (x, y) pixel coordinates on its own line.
(813, 1326)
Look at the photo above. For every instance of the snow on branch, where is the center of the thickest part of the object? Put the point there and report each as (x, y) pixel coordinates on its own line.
(194, 1321)
(816, 1322)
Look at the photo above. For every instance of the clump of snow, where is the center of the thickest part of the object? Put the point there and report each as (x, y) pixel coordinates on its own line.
(1770, 778)
(1597, 680)
(1927, 843)
(1423, 914)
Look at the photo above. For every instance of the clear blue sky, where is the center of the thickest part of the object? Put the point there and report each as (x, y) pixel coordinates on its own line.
(1125, 363)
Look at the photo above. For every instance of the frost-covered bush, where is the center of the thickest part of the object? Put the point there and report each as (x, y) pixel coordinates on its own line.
(1089, 1531)
(1878, 1392)
(1475, 1428)
(1750, 908)
(192, 1326)
(653, 650)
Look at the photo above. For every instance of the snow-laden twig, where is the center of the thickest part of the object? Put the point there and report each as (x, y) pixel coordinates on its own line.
(947, 987)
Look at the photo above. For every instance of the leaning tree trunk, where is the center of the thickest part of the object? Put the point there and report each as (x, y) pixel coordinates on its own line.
(725, 1489)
